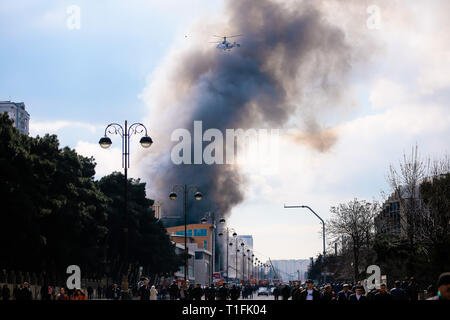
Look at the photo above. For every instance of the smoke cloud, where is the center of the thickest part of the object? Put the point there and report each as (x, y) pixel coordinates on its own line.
(291, 62)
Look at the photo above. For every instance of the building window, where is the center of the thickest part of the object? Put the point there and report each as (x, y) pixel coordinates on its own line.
(205, 244)
(198, 255)
(181, 233)
(200, 232)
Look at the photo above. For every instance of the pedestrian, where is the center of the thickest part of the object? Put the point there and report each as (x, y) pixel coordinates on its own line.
(163, 292)
(210, 293)
(99, 291)
(223, 292)
(153, 293)
(286, 292)
(5, 292)
(115, 292)
(79, 295)
(412, 290)
(358, 295)
(296, 292)
(174, 291)
(197, 292)
(234, 293)
(310, 293)
(182, 293)
(188, 291)
(397, 292)
(25, 292)
(62, 295)
(328, 294)
(90, 291)
(443, 287)
(144, 291)
(276, 293)
(344, 295)
(383, 294)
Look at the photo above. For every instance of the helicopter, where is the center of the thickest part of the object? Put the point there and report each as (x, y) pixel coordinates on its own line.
(226, 45)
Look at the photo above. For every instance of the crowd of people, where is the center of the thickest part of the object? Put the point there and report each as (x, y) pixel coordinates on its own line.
(402, 290)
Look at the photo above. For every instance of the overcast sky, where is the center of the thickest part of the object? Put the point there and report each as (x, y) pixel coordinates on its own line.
(75, 81)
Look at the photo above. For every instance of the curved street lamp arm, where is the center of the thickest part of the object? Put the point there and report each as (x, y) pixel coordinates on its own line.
(136, 128)
(307, 207)
(114, 128)
(178, 187)
(193, 188)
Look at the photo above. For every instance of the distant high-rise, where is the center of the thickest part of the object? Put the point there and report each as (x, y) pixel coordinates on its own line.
(247, 240)
(290, 270)
(17, 112)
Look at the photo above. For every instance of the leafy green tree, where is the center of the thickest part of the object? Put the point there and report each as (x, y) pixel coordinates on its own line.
(149, 245)
(53, 215)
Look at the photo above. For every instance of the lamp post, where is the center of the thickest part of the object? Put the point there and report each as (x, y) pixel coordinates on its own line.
(125, 132)
(237, 250)
(213, 236)
(229, 244)
(243, 261)
(173, 196)
(323, 229)
(248, 267)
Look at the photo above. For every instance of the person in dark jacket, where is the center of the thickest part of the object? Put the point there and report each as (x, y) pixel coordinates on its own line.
(173, 291)
(345, 294)
(310, 293)
(358, 295)
(412, 290)
(25, 293)
(397, 292)
(383, 294)
(210, 293)
(6, 293)
(115, 292)
(276, 293)
(90, 292)
(286, 292)
(296, 292)
(328, 294)
(144, 291)
(197, 292)
(223, 293)
(234, 293)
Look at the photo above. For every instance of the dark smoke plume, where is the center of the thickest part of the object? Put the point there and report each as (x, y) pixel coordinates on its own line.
(289, 56)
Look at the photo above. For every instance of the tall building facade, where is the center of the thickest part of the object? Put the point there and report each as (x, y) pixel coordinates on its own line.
(16, 111)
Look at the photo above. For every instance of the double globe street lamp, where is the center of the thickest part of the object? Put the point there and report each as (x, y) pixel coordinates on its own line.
(229, 244)
(184, 189)
(213, 236)
(125, 132)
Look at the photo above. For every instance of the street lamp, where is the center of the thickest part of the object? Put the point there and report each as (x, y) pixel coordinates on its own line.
(197, 196)
(248, 267)
(243, 260)
(227, 230)
(323, 229)
(125, 132)
(203, 221)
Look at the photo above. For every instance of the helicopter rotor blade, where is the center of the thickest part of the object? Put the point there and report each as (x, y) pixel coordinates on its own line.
(237, 35)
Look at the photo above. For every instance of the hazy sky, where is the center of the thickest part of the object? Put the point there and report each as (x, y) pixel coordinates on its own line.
(75, 81)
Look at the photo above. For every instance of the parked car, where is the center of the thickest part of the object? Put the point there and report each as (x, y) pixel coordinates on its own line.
(263, 291)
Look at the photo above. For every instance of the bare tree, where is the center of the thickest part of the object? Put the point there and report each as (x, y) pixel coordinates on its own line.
(354, 220)
(405, 186)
